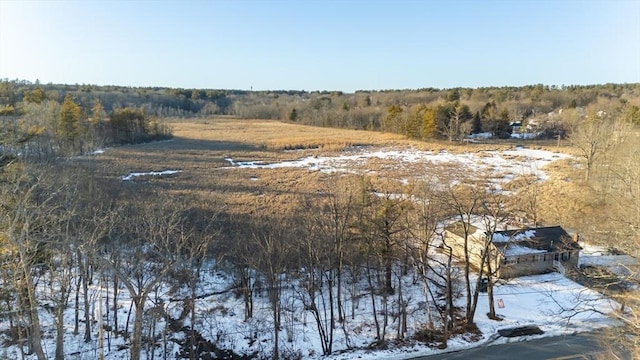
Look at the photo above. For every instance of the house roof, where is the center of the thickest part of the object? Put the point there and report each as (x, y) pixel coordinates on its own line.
(538, 240)
(458, 229)
(520, 241)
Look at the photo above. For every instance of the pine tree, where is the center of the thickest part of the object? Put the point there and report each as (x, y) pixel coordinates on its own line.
(97, 113)
(293, 115)
(36, 96)
(429, 123)
(391, 121)
(476, 125)
(69, 121)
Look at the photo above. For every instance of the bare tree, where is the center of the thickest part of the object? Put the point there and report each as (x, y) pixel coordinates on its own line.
(23, 211)
(273, 246)
(198, 233)
(425, 218)
(456, 124)
(595, 136)
(464, 199)
(618, 184)
(317, 290)
(338, 216)
(154, 235)
(494, 212)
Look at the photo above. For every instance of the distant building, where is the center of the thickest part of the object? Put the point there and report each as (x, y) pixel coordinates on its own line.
(516, 253)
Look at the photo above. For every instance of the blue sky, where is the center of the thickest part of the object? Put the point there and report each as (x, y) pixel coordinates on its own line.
(321, 45)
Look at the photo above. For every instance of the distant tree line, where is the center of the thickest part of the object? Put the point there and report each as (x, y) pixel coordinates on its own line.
(41, 125)
(74, 119)
(361, 110)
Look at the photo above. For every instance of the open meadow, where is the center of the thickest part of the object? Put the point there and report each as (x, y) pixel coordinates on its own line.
(211, 157)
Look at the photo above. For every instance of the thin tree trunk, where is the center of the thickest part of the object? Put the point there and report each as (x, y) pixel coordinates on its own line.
(449, 323)
(100, 327)
(115, 304)
(35, 338)
(492, 308)
(331, 312)
(276, 320)
(76, 308)
(85, 289)
(126, 324)
(373, 303)
(106, 303)
(467, 271)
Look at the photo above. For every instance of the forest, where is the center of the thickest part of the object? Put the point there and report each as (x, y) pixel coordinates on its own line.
(421, 113)
(71, 227)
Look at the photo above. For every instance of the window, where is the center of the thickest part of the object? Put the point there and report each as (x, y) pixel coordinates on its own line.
(511, 260)
(538, 257)
(566, 256)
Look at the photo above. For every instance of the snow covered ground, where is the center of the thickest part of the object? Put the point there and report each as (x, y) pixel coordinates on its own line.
(533, 300)
(505, 164)
(133, 175)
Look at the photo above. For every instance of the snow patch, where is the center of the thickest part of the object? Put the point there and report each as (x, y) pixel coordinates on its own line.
(151, 173)
(526, 235)
(515, 250)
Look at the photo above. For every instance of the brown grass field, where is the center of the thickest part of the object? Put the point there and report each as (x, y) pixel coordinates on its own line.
(200, 146)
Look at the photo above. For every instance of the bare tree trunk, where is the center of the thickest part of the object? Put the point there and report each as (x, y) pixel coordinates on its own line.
(115, 303)
(136, 336)
(467, 280)
(450, 318)
(85, 288)
(106, 304)
(341, 317)
(100, 326)
(76, 307)
(275, 308)
(35, 338)
(332, 323)
(492, 308)
(402, 326)
(373, 302)
(59, 333)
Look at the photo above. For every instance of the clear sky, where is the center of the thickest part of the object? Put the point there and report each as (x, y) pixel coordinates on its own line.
(321, 45)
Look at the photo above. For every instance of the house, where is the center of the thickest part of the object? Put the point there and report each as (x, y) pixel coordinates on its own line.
(515, 253)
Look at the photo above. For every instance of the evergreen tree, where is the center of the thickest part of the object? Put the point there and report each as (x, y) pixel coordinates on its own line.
(36, 95)
(293, 115)
(476, 125)
(489, 111)
(97, 113)
(391, 121)
(429, 123)
(68, 128)
(412, 123)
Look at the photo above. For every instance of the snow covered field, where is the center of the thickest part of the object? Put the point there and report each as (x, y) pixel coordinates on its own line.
(506, 164)
(532, 300)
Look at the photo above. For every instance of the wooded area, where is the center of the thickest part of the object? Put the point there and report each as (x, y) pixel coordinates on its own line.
(420, 113)
(66, 226)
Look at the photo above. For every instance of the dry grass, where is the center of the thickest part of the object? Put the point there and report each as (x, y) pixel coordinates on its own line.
(200, 147)
(276, 135)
